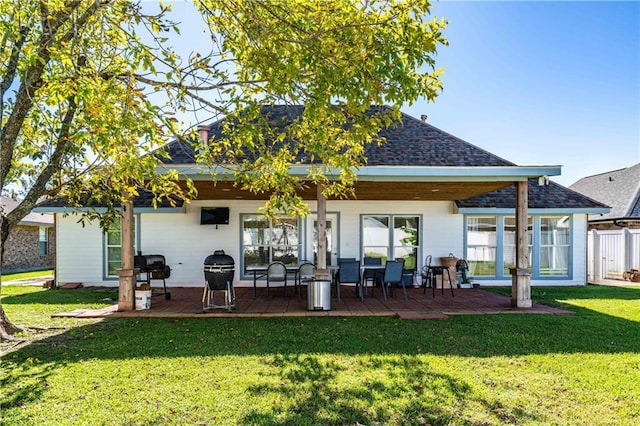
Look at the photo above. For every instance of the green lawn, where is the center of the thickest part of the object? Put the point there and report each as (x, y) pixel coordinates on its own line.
(32, 274)
(581, 369)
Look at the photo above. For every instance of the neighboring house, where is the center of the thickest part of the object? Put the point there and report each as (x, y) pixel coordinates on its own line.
(31, 243)
(614, 237)
(424, 192)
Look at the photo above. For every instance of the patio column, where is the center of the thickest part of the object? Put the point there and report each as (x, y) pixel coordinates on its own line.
(127, 274)
(322, 273)
(521, 274)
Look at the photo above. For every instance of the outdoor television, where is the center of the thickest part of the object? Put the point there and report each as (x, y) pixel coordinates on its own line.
(214, 216)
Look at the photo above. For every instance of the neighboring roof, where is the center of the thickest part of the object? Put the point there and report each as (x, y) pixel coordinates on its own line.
(410, 143)
(32, 219)
(550, 196)
(619, 189)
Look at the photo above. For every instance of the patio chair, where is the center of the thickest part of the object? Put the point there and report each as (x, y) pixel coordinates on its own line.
(350, 274)
(393, 277)
(277, 272)
(374, 276)
(306, 273)
(430, 277)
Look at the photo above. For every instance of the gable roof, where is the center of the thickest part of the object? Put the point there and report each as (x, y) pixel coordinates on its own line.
(619, 189)
(32, 219)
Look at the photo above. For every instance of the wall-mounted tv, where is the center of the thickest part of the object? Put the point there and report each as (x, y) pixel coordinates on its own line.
(214, 216)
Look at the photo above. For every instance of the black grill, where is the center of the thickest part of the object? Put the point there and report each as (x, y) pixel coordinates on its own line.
(219, 269)
(154, 267)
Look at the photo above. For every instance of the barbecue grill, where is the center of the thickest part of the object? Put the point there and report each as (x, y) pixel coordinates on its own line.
(152, 267)
(219, 269)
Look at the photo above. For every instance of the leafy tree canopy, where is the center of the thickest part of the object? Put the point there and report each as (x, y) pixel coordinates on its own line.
(89, 87)
(79, 83)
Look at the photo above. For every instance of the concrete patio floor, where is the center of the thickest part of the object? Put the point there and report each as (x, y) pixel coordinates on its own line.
(187, 302)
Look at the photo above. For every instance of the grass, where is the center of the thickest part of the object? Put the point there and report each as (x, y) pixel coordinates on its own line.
(31, 274)
(468, 370)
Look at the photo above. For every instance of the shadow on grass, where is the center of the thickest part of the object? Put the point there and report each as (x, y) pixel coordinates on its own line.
(549, 295)
(408, 391)
(36, 296)
(289, 345)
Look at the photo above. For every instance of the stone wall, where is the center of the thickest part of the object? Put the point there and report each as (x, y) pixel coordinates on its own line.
(21, 250)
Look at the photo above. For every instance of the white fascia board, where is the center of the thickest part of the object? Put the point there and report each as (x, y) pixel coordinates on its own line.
(454, 174)
(395, 173)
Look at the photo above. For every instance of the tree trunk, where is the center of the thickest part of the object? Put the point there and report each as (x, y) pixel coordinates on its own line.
(7, 328)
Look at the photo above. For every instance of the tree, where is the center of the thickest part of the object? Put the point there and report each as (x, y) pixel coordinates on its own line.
(80, 114)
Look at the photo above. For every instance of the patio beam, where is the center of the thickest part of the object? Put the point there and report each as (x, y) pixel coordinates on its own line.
(127, 274)
(521, 274)
(322, 273)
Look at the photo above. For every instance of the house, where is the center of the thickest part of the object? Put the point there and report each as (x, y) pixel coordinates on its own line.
(31, 243)
(424, 192)
(614, 237)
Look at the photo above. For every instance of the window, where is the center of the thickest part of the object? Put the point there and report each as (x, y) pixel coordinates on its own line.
(482, 245)
(555, 245)
(267, 240)
(43, 240)
(113, 248)
(375, 236)
(509, 243)
(402, 241)
(491, 245)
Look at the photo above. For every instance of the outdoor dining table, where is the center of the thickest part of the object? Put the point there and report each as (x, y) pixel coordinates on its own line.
(261, 271)
(364, 268)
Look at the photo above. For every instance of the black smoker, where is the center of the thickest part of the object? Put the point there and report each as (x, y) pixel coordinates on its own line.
(155, 268)
(219, 269)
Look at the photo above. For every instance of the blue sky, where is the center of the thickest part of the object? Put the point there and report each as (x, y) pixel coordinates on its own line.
(537, 83)
(542, 83)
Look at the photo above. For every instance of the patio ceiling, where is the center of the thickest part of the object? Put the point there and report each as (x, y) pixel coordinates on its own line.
(366, 190)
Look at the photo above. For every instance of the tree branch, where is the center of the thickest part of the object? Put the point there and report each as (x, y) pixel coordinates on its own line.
(54, 164)
(25, 97)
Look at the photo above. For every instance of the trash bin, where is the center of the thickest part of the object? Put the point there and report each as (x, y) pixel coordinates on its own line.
(319, 295)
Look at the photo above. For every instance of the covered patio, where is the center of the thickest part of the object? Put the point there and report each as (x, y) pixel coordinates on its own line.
(186, 302)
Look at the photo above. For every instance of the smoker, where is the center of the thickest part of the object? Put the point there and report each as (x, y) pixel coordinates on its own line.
(152, 267)
(219, 269)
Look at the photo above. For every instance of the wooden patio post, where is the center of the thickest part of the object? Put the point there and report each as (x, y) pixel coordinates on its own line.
(127, 274)
(521, 274)
(322, 273)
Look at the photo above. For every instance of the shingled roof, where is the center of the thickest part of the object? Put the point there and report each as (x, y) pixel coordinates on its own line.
(143, 200)
(409, 143)
(619, 189)
(414, 142)
(551, 196)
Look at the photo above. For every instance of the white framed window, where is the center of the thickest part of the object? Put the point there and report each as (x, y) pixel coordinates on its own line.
(113, 247)
(43, 240)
